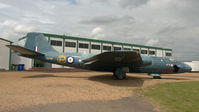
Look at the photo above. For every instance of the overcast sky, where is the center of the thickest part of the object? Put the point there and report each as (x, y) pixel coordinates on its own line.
(163, 23)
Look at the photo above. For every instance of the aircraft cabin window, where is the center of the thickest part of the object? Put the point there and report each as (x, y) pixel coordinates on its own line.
(168, 54)
(151, 52)
(127, 48)
(56, 43)
(70, 44)
(107, 48)
(95, 46)
(143, 51)
(82, 45)
(117, 48)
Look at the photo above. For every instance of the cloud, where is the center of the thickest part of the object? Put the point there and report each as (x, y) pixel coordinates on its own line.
(24, 28)
(100, 20)
(107, 19)
(132, 3)
(11, 29)
(153, 43)
(163, 23)
(2, 5)
(9, 23)
(97, 32)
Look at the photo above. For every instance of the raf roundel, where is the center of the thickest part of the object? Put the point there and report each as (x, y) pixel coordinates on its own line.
(70, 60)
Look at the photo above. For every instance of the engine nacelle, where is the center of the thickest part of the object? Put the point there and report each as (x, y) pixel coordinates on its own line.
(146, 61)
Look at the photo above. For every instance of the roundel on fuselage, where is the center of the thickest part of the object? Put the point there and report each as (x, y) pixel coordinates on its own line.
(70, 60)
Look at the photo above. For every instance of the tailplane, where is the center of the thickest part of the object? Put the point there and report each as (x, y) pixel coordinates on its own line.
(23, 51)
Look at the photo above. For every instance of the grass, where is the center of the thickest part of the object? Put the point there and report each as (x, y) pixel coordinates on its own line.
(174, 97)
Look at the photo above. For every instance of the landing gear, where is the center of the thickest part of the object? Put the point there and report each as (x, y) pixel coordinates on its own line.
(119, 74)
(156, 76)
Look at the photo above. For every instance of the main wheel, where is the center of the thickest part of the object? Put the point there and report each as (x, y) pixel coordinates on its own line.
(119, 74)
(157, 77)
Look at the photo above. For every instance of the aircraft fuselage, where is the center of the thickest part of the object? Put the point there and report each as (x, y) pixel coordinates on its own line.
(151, 64)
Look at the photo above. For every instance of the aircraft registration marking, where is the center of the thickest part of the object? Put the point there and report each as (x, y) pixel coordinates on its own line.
(61, 59)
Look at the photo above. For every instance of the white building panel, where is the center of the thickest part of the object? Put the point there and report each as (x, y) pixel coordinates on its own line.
(83, 50)
(194, 65)
(127, 48)
(95, 50)
(57, 48)
(159, 53)
(16, 59)
(70, 48)
(136, 49)
(57, 66)
(163, 53)
(5, 54)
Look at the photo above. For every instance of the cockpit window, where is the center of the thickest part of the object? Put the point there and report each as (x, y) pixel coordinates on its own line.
(172, 59)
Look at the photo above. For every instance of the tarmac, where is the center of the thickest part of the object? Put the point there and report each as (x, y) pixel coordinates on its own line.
(78, 91)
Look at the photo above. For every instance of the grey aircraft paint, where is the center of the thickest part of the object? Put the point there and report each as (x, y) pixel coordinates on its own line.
(118, 62)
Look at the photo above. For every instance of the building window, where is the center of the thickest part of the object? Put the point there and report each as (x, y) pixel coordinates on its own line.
(168, 54)
(151, 52)
(128, 49)
(97, 47)
(70, 44)
(56, 43)
(137, 50)
(117, 48)
(107, 48)
(143, 51)
(82, 45)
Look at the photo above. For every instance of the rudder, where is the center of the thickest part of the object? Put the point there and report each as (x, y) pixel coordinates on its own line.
(37, 42)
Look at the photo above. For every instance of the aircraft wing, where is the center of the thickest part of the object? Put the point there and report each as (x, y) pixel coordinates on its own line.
(24, 51)
(115, 58)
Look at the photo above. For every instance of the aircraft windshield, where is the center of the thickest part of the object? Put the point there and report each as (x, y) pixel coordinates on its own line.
(172, 59)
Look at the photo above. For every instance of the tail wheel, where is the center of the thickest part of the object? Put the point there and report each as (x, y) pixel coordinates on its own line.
(119, 74)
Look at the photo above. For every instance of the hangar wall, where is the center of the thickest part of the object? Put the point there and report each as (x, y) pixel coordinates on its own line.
(21, 60)
(194, 65)
(63, 43)
(5, 58)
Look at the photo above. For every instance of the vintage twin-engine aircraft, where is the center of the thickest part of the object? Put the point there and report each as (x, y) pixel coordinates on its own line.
(119, 62)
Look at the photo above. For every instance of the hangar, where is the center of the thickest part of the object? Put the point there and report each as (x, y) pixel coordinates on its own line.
(5, 57)
(63, 43)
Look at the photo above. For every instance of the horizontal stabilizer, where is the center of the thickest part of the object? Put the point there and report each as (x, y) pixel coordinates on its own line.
(24, 51)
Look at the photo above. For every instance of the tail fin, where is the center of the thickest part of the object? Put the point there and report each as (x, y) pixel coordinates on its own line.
(38, 43)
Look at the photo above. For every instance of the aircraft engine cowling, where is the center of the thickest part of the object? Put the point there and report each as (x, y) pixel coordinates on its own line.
(146, 61)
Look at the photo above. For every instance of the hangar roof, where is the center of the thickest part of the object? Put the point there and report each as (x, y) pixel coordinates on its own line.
(100, 41)
(5, 40)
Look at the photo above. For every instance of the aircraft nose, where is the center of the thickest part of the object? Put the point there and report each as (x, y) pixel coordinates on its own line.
(188, 68)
